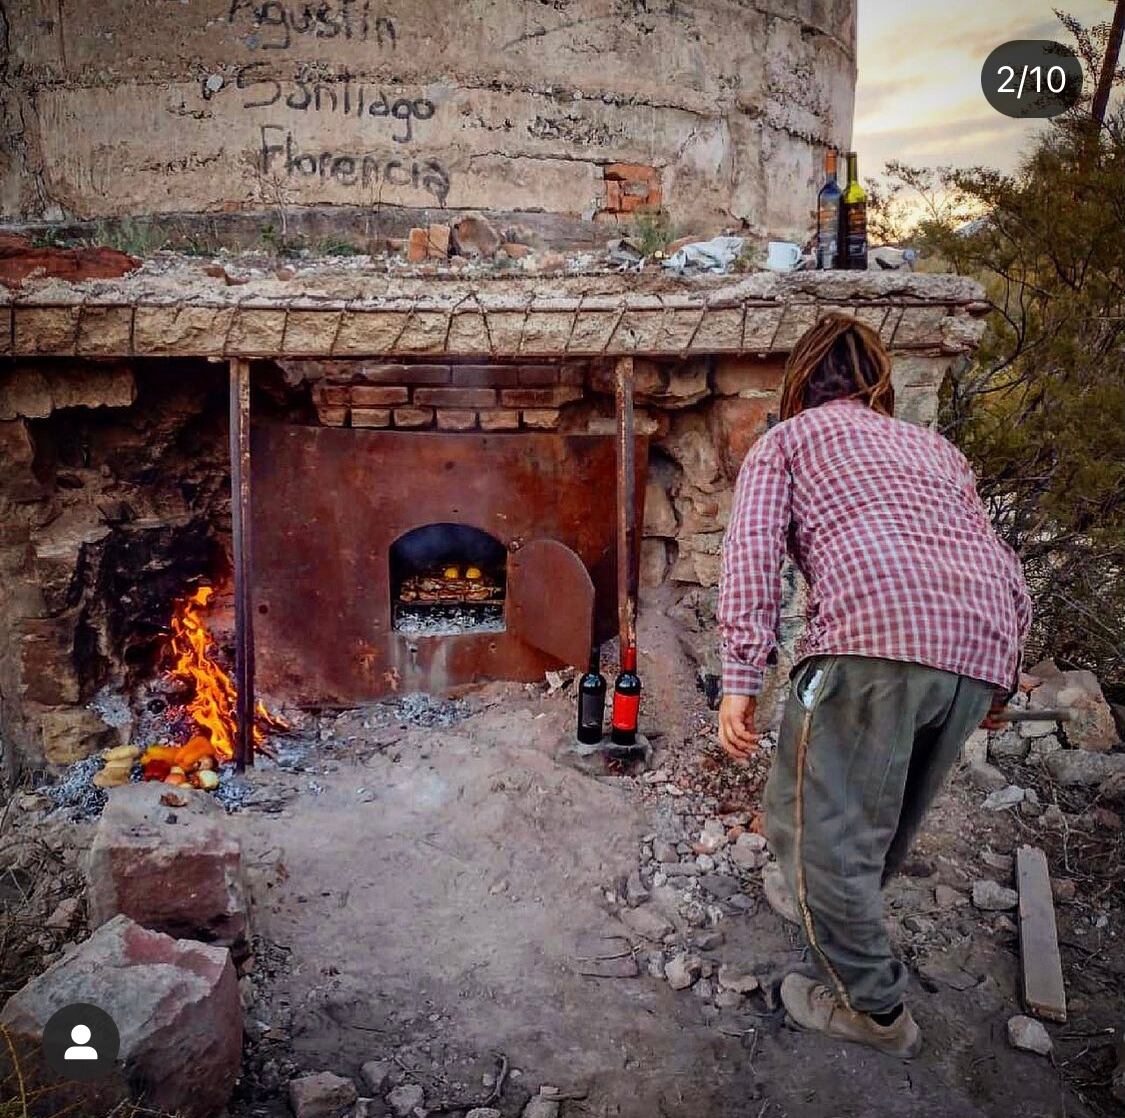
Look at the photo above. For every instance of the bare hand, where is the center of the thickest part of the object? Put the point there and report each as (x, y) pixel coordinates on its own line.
(736, 726)
(991, 721)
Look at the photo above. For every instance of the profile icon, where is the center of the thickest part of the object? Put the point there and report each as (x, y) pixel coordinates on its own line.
(81, 1041)
(80, 1049)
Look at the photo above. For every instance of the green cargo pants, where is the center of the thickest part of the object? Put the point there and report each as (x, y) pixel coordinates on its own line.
(864, 747)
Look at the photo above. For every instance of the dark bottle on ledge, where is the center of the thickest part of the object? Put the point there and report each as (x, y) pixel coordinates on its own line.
(591, 701)
(853, 219)
(626, 700)
(828, 216)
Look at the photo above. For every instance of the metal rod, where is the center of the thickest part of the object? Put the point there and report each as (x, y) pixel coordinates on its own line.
(240, 531)
(1030, 714)
(626, 506)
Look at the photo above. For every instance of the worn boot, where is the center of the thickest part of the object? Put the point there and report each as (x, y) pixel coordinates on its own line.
(813, 1006)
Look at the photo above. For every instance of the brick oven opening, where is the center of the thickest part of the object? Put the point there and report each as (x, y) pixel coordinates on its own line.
(447, 579)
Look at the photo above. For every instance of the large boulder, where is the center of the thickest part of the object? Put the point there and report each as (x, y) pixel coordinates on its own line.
(1071, 767)
(175, 1004)
(163, 857)
(1091, 726)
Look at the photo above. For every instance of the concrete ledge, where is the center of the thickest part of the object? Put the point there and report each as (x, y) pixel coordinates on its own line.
(177, 310)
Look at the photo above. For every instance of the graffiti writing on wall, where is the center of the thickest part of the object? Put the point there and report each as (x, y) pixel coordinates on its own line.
(277, 25)
(312, 93)
(364, 169)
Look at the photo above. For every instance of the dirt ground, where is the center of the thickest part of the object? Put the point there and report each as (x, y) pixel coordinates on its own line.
(426, 895)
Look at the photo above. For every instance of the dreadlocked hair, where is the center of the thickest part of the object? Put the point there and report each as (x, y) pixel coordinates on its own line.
(837, 359)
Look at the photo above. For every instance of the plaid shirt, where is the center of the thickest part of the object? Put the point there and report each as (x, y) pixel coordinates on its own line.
(884, 521)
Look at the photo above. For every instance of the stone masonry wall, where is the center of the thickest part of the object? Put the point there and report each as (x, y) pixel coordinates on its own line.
(723, 106)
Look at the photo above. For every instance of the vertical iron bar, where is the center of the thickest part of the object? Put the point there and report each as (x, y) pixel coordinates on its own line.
(626, 506)
(240, 530)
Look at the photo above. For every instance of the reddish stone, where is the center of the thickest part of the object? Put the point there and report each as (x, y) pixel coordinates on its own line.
(437, 242)
(631, 172)
(175, 1004)
(539, 376)
(456, 420)
(539, 397)
(19, 258)
(543, 419)
(375, 396)
(737, 425)
(455, 397)
(413, 417)
(417, 246)
(499, 420)
(371, 417)
(183, 878)
(485, 376)
(475, 236)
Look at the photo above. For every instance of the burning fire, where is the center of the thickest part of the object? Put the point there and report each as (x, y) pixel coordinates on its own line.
(211, 707)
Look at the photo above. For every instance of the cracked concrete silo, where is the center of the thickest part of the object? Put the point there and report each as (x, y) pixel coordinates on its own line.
(715, 110)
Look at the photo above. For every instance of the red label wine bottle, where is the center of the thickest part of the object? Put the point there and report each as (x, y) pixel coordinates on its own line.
(591, 701)
(626, 701)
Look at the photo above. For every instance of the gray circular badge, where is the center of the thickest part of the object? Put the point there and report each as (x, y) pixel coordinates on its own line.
(81, 1042)
(1028, 78)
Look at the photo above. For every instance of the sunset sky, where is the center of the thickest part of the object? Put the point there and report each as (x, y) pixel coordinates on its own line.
(919, 97)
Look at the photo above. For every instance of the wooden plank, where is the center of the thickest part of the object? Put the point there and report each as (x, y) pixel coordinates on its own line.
(1044, 993)
(240, 532)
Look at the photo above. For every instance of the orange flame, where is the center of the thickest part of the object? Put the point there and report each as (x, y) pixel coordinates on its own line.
(213, 703)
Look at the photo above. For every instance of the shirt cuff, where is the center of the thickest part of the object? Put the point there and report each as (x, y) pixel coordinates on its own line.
(741, 679)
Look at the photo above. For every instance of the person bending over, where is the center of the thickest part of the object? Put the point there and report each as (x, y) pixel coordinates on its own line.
(917, 613)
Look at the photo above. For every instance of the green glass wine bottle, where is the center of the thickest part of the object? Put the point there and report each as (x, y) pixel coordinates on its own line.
(853, 219)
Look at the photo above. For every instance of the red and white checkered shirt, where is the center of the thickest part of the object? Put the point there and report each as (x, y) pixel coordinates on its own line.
(884, 521)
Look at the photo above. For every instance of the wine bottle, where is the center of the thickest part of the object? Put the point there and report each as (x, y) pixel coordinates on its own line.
(591, 701)
(853, 219)
(828, 216)
(626, 700)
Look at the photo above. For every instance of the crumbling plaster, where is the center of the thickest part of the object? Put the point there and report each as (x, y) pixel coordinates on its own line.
(219, 105)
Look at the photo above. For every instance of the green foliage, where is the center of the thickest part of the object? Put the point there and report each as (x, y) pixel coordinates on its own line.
(137, 237)
(337, 247)
(653, 232)
(1041, 410)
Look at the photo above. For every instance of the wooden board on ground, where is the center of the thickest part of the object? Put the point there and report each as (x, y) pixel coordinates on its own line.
(1043, 991)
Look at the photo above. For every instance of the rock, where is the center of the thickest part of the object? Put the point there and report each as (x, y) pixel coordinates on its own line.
(991, 897)
(1074, 767)
(1037, 729)
(720, 885)
(1008, 746)
(705, 863)
(323, 1095)
(1063, 890)
(1105, 819)
(175, 1003)
(635, 891)
(777, 893)
(1005, 863)
(474, 235)
(376, 1073)
(65, 914)
(541, 1106)
(738, 977)
(665, 851)
(682, 971)
(1117, 1082)
(660, 516)
(728, 999)
(975, 749)
(1009, 796)
(184, 878)
(920, 925)
(1091, 726)
(647, 923)
(1042, 748)
(986, 777)
(1054, 818)
(709, 941)
(947, 897)
(749, 852)
(402, 1100)
(712, 838)
(484, 1111)
(1029, 1035)
(1112, 790)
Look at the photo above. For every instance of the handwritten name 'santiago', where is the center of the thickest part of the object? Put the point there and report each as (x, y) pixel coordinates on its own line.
(276, 23)
(308, 93)
(365, 169)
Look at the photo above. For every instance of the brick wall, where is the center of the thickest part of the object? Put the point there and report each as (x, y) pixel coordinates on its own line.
(447, 397)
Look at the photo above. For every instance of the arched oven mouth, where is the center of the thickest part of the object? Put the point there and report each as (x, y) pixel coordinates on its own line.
(448, 579)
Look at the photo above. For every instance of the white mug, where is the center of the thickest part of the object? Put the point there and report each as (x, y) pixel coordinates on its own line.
(783, 256)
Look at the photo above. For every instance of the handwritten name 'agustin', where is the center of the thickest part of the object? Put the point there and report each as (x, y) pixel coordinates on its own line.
(352, 170)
